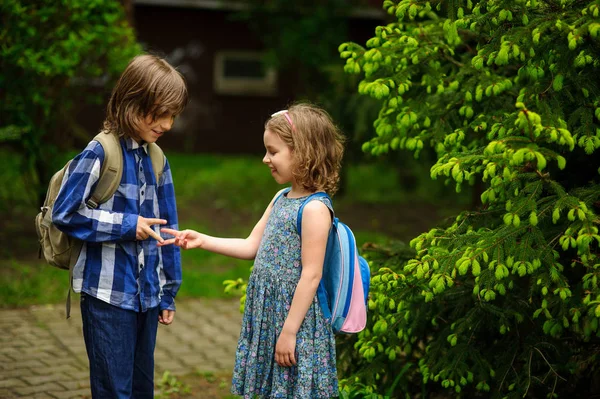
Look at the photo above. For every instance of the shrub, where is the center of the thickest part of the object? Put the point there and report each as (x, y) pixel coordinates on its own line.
(504, 302)
(56, 57)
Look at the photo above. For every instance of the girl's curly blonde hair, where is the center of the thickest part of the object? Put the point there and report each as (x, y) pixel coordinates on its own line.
(316, 145)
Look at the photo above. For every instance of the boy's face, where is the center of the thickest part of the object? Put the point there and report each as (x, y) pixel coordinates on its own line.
(278, 158)
(151, 130)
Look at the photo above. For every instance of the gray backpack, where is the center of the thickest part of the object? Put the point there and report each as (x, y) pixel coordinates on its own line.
(62, 250)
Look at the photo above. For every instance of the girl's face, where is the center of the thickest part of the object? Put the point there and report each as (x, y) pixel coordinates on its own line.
(151, 130)
(278, 158)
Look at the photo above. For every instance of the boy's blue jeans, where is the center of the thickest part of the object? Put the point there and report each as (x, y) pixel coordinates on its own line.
(120, 347)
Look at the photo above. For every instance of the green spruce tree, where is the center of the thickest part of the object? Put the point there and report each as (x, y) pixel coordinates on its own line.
(504, 302)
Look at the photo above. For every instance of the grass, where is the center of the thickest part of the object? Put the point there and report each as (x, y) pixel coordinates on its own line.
(236, 183)
(204, 385)
(169, 386)
(25, 283)
(224, 196)
(204, 272)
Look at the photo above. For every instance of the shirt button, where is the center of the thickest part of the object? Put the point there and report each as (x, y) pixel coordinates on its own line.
(142, 193)
(141, 169)
(141, 265)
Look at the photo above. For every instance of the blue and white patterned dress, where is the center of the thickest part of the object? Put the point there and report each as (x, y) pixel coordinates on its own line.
(269, 295)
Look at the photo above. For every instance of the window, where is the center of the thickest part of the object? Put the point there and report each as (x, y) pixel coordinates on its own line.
(244, 73)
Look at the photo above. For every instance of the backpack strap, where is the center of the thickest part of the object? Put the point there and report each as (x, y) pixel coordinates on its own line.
(157, 157)
(311, 197)
(77, 247)
(321, 292)
(112, 169)
(306, 201)
(108, 182)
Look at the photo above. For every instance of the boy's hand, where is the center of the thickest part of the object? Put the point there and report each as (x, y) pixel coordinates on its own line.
(166, 316)
(185, 239)
(144, 229)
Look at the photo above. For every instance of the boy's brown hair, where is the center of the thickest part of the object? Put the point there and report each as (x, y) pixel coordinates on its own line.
(149, 86)
(316, 144)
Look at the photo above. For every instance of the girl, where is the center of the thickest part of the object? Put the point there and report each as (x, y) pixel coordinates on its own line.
(286, 347)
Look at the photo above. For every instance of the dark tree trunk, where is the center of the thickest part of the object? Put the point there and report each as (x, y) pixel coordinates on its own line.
(129, 12)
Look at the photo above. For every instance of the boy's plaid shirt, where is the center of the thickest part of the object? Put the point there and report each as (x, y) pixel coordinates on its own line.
(113, 265)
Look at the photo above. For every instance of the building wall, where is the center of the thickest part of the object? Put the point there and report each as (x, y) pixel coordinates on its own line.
(190, 38)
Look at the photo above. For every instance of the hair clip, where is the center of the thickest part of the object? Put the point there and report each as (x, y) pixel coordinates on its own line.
(285, 113)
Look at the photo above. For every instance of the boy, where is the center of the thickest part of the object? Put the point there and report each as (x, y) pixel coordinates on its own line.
(127, 283)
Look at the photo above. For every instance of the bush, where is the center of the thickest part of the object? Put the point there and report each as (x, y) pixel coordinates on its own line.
(56, 57)
(505, 301)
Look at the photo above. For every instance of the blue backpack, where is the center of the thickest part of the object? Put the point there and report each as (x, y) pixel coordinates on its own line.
(344, 287)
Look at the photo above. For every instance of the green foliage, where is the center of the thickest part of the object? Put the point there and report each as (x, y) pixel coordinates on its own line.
(54, 58)
(31, 283)
(289, 30)
(300, 39)
(169, 385)
(15, 187)
(207, 200)
(206, 179)
(505, 301)
(204, 272)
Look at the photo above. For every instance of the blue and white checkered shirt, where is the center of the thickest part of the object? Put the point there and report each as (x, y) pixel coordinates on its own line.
(113, 266)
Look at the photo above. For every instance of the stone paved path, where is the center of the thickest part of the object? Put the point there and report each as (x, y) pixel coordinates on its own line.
(42, 355)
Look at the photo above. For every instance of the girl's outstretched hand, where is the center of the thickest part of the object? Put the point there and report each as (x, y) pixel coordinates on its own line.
(185, 239)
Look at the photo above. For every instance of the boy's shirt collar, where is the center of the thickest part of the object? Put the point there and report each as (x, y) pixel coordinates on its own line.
(133, 145)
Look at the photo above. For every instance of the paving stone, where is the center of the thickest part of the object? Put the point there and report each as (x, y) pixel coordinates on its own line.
(8, 350)
(80, 393)
(187, 335)
(50, 368)
(180, 348)
(214, 353)
(6, 394)
(174, 367)
(192, 360)
(72, 385)
(41, 396)
(30, 390)
(225, 341)
(14, 373)
(207, 330)
(34, 354)
(81, 375)
(32, 363)
(40, 379)
(51, 347)
(42, 355)
(12, 383)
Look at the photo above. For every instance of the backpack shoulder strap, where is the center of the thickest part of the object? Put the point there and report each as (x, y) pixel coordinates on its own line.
(112, 169)
(157, 157)
(306, 201)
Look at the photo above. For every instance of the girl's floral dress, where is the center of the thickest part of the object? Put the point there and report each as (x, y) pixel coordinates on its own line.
(269, 295)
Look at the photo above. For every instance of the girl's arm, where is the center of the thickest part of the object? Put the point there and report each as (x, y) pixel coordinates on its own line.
(316, 222)
(241, 248)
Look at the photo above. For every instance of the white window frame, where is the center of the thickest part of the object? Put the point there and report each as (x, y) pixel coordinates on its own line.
(240, 86)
